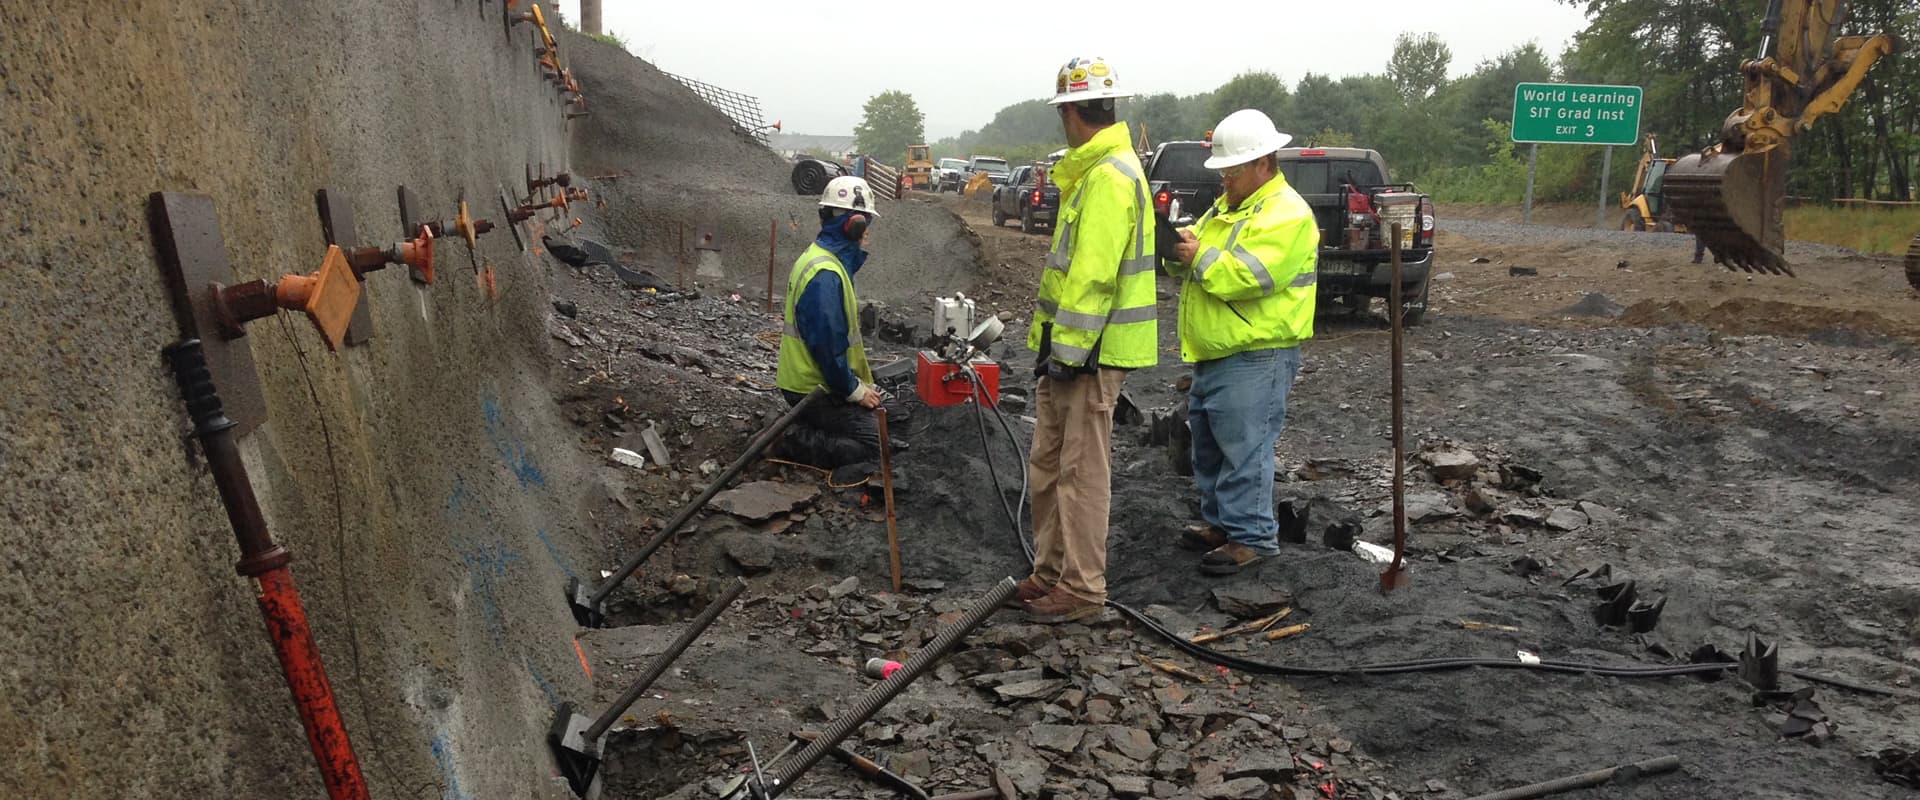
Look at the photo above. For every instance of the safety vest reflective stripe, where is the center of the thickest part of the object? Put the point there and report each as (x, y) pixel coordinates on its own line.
(1090, 322)
(1305, 279)
(1060, 257)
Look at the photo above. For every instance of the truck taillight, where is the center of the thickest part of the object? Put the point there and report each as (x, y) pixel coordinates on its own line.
(1036, 198)
(1162, 200)
(1313, 152)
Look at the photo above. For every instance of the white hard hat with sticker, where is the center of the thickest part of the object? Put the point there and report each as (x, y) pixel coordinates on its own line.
(850, 193)
(1083, 79)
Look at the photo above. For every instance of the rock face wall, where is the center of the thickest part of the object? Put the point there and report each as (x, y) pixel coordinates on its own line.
(423, 481)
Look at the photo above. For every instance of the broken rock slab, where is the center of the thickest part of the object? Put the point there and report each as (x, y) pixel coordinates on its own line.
(748, 551)
(1236, 789)
(1063, 739)
(1423, 506)
(1273, 765)
(1250, 602)
(1598, 514)
(1451, 464)
(1566, 519)
(761, 500)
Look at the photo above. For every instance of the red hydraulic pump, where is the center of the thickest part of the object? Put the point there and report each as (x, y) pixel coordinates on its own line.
(941, 382)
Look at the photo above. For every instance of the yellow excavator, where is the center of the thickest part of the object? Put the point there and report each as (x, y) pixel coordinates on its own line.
(1731, 194)
(1645, 203)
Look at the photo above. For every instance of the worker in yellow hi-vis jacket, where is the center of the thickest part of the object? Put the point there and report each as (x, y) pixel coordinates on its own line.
(1246, 304)
(1094, 320)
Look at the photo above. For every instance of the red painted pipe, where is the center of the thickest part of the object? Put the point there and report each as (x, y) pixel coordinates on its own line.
(312, 694)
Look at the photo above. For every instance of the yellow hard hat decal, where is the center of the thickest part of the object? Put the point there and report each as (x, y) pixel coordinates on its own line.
(1099, 70)
(1078, 76)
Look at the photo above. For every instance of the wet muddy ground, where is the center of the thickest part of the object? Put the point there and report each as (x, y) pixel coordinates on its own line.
(1757, 483)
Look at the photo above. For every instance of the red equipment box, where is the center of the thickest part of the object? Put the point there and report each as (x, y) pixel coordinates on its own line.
(944, 383)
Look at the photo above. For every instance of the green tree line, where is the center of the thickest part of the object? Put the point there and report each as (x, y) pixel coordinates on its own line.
(1452, 135)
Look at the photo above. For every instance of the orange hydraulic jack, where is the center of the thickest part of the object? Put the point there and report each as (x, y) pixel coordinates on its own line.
(534, 185)
(464, 226)
(416, 253)
(186, 234)
(327, 296)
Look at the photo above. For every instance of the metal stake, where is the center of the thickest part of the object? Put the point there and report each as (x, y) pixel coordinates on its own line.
(1396, 575)
(886, 481)
(577, 746)
(782, 775)
(773, 234)
(589, 608)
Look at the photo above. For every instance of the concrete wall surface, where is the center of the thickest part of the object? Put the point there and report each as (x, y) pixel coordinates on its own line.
(414, 478)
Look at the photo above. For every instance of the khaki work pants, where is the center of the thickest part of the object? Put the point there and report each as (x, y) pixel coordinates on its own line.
(1071, 472)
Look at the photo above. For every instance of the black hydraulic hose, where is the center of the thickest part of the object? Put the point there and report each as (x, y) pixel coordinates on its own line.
(1248, 665)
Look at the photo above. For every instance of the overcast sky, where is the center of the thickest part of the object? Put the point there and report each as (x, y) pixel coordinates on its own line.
(977, 57)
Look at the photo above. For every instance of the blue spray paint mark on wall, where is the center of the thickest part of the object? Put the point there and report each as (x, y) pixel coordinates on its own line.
(509, 447)
(449, 775)
(459, 496)
(486, 563)
(553, 697)
(555, 552)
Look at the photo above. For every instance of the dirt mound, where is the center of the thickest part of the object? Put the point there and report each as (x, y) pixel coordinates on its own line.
(1745, 316)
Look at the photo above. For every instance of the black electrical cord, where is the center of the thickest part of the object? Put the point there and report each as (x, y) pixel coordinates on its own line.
(1213, 656)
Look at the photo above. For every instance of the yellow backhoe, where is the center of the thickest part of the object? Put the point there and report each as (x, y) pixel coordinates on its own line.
(1645, 203)
(1731, 194)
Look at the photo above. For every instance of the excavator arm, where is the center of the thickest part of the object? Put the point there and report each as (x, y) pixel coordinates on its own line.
(1731, 195)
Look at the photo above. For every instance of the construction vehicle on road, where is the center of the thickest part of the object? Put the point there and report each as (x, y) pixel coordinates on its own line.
(1731, 195)
(919, 168)
(1645, 202)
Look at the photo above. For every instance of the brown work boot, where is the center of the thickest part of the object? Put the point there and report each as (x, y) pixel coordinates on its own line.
(1228, 559)
(1026, 591)
(1058, 607)
(1201, 538)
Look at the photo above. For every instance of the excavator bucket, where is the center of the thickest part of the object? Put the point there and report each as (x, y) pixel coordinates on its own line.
(1732, 201)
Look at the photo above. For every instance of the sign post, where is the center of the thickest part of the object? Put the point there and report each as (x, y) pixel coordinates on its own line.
(1572, 113)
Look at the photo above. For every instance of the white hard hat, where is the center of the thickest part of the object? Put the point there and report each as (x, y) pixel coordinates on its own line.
(1086, 79)
(850, 193)
(1244, 136)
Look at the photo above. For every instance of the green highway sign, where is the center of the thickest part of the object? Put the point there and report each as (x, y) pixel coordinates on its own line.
(1568, 113)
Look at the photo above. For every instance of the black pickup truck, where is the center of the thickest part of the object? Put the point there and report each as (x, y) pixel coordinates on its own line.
(1177, 176)
(1027, 196)
(1356, 204)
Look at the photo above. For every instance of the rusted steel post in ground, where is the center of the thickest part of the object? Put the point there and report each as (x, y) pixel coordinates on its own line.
(886, 482)
(773, 234)
(266, 562)
(1396, 575)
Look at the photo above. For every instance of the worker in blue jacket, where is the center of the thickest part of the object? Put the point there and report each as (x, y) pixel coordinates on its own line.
(821, 345)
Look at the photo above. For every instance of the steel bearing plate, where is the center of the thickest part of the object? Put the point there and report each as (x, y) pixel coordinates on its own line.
(336, 224)
(186, 232)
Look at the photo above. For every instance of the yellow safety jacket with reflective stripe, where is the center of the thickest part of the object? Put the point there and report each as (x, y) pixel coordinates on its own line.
(798, 372)
(1251, 284)
(1098, 283)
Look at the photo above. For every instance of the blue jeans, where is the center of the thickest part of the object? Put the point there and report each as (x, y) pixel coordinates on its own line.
(1235, 410)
